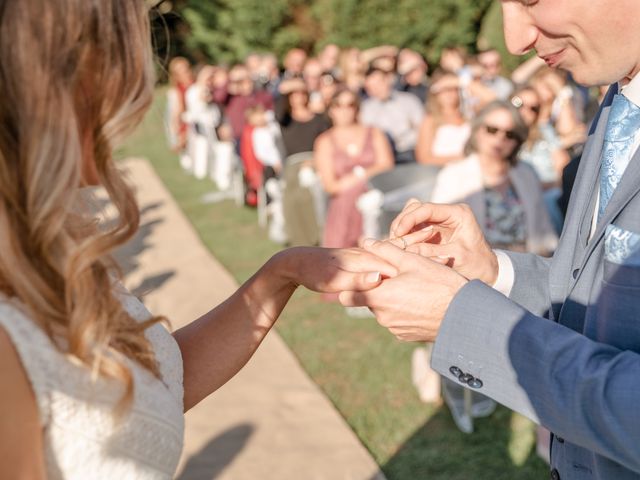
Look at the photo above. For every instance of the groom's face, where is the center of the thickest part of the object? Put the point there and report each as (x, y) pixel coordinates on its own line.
(596, 40)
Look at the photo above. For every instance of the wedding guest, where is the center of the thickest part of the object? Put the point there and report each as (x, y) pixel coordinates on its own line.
(412, 71)
(444, 131)
(542, 150)
(351, 70)
(397, 114)
(491, 62)
(329, 58)
(556, 106)
(203, 117)
(312, 76)
(93, 385)
(345, 157)
(294, 62)
(300, 127)
(180, 79)
(243, 95)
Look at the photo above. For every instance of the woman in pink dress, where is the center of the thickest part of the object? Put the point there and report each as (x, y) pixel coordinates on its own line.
(345, 157)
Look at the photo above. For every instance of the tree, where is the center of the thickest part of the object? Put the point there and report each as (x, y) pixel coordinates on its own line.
(227, 30)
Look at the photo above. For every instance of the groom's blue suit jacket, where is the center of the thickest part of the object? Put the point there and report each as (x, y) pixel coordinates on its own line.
(564, 348)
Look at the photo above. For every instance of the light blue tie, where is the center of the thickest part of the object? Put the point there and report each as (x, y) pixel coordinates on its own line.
(622, 125)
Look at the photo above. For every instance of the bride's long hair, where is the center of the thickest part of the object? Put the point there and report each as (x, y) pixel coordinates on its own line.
(75, 76)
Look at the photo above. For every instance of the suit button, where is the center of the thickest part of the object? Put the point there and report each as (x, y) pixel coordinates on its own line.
(475, 383)
(575, 274)
(466, 378)
(455, 371)
(555, 475)
(559, 439)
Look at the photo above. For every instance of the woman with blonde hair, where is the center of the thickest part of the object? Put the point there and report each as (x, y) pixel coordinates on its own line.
(444, 130)
(181, 78)
(93, 386)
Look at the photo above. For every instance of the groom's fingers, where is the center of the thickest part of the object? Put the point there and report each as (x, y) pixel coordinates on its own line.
(387, 251)
(410, 206)
(429, 213)
(354, 299)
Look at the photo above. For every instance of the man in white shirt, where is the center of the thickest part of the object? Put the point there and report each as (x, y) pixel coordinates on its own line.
(557, 340)
(397, 114)
(491, 63)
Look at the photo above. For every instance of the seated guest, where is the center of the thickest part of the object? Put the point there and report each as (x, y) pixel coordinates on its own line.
(203, 117)
(444, 130)
(300, 128)
(243, 95)
(312, 76)
(506, 198)
(542, 150)
(351, 70)
(180, 79)
(345, 156)
(412, 69)
(491, 63)
(398, 114)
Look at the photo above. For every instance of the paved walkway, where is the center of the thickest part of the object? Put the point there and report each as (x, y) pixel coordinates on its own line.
(269, 422)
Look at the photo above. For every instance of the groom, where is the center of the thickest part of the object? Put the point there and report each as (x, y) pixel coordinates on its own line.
(557, 340)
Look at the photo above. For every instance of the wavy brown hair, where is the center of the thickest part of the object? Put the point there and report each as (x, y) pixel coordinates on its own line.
(76, 76)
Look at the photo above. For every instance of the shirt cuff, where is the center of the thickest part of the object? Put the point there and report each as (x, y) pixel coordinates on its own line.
(506, 274)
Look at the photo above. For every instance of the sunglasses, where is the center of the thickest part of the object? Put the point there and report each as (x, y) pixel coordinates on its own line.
(508, 134)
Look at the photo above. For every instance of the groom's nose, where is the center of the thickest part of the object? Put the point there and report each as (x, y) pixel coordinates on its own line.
(520, 32)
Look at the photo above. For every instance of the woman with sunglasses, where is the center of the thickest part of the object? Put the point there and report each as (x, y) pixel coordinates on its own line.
(345, 157)
(93, 386)
(444, 130)
(506, 198)
(542, 150)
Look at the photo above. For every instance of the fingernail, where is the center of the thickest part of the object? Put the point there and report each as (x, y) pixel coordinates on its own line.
(443, 257)
(427, 229)
(373, 277)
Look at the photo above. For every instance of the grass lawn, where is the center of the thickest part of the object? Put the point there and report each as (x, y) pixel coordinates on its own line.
(360, 366)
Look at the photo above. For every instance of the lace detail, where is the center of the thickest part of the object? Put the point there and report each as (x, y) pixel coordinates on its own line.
(82, 438)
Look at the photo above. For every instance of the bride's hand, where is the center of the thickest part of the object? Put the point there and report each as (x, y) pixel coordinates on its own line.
(333, 270)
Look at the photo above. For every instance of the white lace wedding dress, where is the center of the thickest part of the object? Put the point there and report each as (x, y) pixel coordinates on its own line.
(82, 439)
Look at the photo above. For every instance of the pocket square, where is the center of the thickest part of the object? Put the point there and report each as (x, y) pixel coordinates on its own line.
(622, 246)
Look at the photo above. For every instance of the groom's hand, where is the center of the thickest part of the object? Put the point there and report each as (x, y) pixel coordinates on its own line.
(412, 303)
(457, 238)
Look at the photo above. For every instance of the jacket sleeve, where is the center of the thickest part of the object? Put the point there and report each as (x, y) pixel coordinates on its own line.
(582, 390)
(531, 286)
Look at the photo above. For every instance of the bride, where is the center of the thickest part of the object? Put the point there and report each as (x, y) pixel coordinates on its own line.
(93, 386)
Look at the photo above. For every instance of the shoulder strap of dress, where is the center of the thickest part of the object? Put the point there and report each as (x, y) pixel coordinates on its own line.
(35, 350)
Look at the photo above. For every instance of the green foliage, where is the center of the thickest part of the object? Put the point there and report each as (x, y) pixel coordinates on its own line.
(226, 30)
(424, 25)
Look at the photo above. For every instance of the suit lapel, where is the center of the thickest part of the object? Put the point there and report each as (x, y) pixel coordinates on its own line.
(628, 187)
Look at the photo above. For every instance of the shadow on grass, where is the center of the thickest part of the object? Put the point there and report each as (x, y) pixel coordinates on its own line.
(437, 450)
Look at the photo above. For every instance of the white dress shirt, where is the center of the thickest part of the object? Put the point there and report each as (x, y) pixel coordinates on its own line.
(506, 274)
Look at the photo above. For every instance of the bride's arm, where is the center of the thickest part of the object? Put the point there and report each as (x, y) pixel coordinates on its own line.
(21, 450)
(218, 344)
